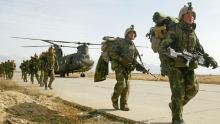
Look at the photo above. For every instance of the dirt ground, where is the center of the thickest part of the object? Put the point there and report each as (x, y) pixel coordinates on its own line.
(205, 79)
(26, 105)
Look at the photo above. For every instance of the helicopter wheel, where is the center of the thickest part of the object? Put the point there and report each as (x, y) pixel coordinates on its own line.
(82, 75)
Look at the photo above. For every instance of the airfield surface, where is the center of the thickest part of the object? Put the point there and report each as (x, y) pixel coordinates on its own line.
(148, 100)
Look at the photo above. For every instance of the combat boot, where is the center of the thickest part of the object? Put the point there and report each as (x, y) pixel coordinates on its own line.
(50, 87)
(115, 103)
(124, 107)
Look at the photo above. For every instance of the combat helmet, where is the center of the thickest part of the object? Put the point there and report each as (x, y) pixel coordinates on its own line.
(130, 29)
(187, 9)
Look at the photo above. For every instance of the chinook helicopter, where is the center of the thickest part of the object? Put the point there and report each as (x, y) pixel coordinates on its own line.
(72, 63)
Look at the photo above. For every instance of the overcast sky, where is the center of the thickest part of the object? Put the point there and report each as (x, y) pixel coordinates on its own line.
(90, 20)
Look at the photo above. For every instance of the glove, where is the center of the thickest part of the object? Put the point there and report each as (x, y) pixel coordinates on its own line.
(211, 62)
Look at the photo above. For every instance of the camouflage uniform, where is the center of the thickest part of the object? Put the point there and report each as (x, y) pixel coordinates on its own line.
(8, 68)
(24, 70)
(42, 58)
(11, 66)
(183, 83)
(2, 70)
(34, 67)
(6, 65)
(50, 65)
(123, 58)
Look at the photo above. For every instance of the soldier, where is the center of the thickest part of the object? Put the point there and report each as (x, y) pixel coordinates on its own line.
(42, 58)
(34, 67)
(123, 60)
(24, 70)
(1, 70)
(12, 67)
(50, 64)
(7, 69)
(183, 83)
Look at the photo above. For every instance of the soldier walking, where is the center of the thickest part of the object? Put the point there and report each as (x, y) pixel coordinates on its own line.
(183, 83)
(50, 65)
(123, 57)
(34, 67)
(24, 70)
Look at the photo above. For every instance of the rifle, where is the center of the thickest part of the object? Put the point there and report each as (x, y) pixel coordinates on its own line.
(186, 55)
(140, 67)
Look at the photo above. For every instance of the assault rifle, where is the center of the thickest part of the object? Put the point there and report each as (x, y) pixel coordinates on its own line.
(140, 67)
(186, 55)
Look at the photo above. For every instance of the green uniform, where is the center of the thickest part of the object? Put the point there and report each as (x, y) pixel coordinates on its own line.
(49, 65)
(183, 83)
(42, 59)
(12, 67)
(123, 57)
(24, 70)
(1, 70)
(33, 68)
(7, 69)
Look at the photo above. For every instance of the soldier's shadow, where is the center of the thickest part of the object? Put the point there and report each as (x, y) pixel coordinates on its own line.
(37, 113)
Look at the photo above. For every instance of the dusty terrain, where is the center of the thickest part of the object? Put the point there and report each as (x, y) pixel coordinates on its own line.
(205, 79)
(26, 105)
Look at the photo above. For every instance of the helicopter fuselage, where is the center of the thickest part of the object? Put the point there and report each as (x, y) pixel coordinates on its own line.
(76, 62)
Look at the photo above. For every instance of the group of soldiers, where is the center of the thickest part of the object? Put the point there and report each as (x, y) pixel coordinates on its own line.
(179, 38)
(7, 69)
(40, 67)
(122, 53)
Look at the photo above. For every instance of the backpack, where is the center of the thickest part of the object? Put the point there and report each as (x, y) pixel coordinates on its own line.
(157, 33)
(102, 68)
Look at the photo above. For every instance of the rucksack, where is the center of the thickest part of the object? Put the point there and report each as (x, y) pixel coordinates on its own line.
(102, 68)
(162, 25)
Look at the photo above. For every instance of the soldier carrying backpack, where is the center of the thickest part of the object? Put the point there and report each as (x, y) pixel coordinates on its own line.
(122, 54)
(180, 53)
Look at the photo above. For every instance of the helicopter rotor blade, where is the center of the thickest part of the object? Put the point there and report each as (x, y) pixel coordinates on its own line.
(29, 38)
(38, 46)
(94, 48)
(68, 46)
(58, 41)
(50, 45)
(86, 43)
(93, 44)
(47, 41)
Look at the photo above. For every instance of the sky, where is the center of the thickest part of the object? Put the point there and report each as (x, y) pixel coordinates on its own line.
(90, 20)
